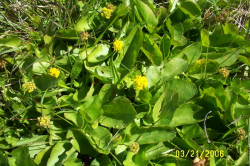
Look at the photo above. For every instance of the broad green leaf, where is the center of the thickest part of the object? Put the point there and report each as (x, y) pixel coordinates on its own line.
(157, 108)
(40, 67)
(48, 103)
(58, 153)
(81, 142)
(165, 46)
(174, 161)
(152, 51)
(76, 70)
(243, 159)
(205, 38)
(190, 142)
(156, 150)
(149, 134)
(193, 130)
(91, 110)
(131, 48)
(45, 82)
(173, 68)
(30, 140)
(226, 40)
(22, 156)
(105, 93)
(73, 162)
(101, 136)
(191, 8)
(192, 52)
(84, 93)
(3, 160)
(147, 15)
(185, 114)
(10, 42)
(85, 23)
(230, 29)
(176, 32)
(43, 156)
(197, 69)
(70, 34)
(228, 59)
(75, 117)
(117, 112)
(99, 53)
(153, 75)
(101, 161)
(138, 159)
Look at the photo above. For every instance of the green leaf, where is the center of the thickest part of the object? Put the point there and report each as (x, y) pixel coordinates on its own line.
(76, 70)
(117, 112)
(22, 156)
(43, 156)
(243, 159)
(99, 53)
(75, 117)
(91, 110)
(152, 135)
(197, 69)
(45, 82)
(176, 32)
(173, 68)
(73, 162)
(81, 142)
(58, 153)
(147, 15)
(102, 160)
(85, 23)
(30, 140)
(226, 40)
(131, 48)
(193, 130)
(165, 46)
(84, 93)
(190, 142)
(153, 75)
(190, 8)
(10, 42)
(101, 136)
(156, 150)
(152, 51)
(192, 52)
(3, 160)
(205, 38)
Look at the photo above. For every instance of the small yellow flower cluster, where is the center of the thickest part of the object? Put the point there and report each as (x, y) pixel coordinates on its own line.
(2, 63)
(224, 72)
(43, 121)
(140, 82)
(54, 72)
(117, 45)
(29, 86)
(134, 147)
(85, 36)
(106, 11)
(241, 133)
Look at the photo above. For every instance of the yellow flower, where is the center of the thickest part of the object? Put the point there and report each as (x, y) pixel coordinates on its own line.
(54, 72)
(106, 12)
(135, 147)
(43, 121)
(117, 45)
(224, 72)
(29, 86)
(140, 82)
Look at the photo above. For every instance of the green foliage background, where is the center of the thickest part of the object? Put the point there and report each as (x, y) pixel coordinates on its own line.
(180, 46)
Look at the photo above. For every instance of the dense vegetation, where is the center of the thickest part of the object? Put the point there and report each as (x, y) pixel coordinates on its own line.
(126, 82)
